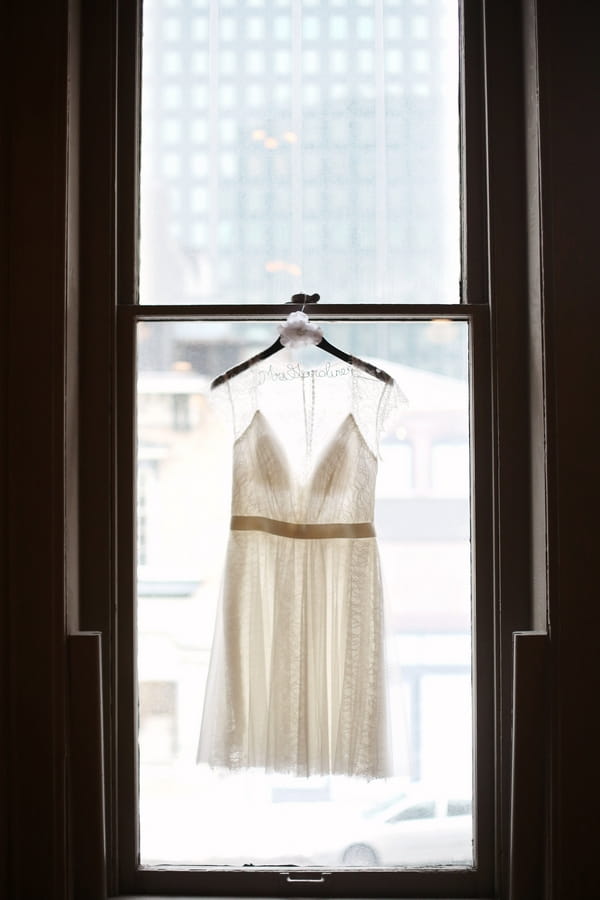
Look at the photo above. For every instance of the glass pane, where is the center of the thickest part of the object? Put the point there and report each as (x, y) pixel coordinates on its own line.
(420, 814)
(300, 147)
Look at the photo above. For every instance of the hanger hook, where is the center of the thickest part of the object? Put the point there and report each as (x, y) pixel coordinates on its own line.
(304, 299)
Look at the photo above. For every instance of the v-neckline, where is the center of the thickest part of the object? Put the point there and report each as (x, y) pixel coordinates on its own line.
(295, 476)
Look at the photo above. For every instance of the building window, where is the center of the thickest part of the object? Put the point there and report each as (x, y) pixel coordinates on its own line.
(158, 717)
(199, 28)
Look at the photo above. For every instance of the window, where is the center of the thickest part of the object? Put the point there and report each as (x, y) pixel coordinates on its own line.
(198, 130)
(311, 27)
(172, 29)
(199, 28)
(282, 28)
(37, 594)
(282, 197)
(171, 131)
(157, 718)
(199, 62)
(228, 28)
(255, 28)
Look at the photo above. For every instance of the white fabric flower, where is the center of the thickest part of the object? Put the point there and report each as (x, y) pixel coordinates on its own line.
(298, 330)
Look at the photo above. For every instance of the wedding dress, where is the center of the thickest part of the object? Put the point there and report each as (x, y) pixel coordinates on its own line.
(296, 676)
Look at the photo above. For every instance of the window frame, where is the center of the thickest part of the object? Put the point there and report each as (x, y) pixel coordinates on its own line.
(110, 129)
(312, 881)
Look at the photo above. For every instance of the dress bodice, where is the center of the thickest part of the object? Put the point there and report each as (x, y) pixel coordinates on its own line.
(306, 441)
(337, 485)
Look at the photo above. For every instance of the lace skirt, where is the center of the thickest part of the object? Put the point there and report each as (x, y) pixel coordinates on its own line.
(296, 679)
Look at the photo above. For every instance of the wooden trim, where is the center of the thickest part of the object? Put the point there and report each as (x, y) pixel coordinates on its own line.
(529, 766)
(262, 883)
(507, 273)
(98, 537)
(568, 373)
(129, 60)
(86, 755)
(380, 312)
(483, 622)
(5, 698)
(40, 367)
(127, 718)
(538, 411)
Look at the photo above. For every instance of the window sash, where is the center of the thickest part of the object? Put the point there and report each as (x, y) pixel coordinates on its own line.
(474, 882)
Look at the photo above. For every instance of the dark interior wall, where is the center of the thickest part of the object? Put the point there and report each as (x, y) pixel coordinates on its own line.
(39, 287)
(569, 83)
(4, 719)
(39, 437)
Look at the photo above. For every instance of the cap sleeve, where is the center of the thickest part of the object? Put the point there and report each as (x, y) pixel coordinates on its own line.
(234, 403)
(377, 407)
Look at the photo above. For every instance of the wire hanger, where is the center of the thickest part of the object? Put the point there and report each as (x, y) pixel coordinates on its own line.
(322, 344)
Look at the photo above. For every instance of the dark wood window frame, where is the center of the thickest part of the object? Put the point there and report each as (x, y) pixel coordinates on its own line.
(61, 274)
(492, 159)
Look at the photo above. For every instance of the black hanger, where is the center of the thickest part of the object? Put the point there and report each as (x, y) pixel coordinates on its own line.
(323, 344)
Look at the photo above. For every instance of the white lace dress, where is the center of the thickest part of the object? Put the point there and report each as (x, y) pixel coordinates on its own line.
(296, 677)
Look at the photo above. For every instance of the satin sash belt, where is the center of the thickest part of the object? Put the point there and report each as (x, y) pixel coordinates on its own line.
(300, 530)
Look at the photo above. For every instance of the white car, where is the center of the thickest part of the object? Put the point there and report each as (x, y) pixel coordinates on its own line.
(415, 831)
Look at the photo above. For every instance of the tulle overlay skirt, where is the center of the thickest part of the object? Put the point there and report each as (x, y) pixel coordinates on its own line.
(296, 679)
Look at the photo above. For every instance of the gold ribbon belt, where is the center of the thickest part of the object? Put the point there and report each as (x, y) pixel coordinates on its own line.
(299, 530)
